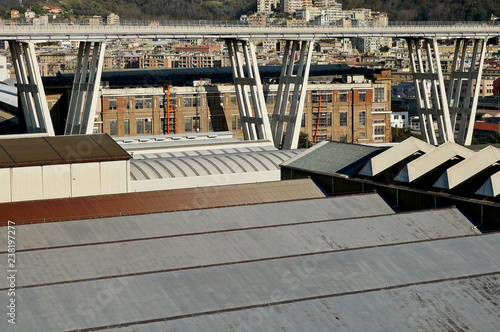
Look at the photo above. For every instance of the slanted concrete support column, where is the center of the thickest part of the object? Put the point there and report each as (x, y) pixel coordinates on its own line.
(84, 95)
(465, 79)
(297, 80)
(249, 92)
(30, 88)
(430, 91)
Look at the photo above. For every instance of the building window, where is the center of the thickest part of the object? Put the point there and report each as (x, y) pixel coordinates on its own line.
(144, 126)
(139, 103)
(126, 127)
(191, 100)
(188, 122)
(362, 134)
(303, 121)
(140, 126)
(148, 102)
(379, 95)
(379, 127)
(324, 96)
(362, 118)
(343, 119)
(192, 123)
(362, 96)
(112, 103)
(378, 130)
(343, 97)
(343, 138)
(236, 125)
(232, 99)
(324, 120)
(112, 127)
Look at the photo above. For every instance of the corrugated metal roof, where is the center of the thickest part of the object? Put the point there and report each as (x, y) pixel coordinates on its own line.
(454, 305)
(226, 162)
(34, 151)
(156, 201)
(173, 295)
(232, 246)
(333, 158)
(48, 235)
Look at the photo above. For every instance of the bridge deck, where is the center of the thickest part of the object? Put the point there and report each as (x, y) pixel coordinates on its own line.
(198, 29)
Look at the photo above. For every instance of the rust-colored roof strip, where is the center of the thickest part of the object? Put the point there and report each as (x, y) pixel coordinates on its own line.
(91, 207)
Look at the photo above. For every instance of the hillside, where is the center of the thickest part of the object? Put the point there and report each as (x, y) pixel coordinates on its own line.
(398, 10)
(431, 10)
(143, 9)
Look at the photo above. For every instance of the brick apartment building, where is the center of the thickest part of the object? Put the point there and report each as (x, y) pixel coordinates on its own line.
(354, 112)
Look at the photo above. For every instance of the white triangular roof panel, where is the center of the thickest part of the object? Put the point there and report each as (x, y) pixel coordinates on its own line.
(392, 156)
(469, 167)
(426, 163)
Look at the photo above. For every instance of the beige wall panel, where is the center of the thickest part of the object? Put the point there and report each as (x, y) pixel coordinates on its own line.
(26, 183)
(5, 185)
(56, 181)
(113, 177)
(85, 179)
(204, 181)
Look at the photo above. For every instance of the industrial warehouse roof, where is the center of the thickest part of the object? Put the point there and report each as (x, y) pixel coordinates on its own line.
(164, 253)
(165, 225)
(450, 166)
(223, 271)
(155, 201)
(208, 162)
(333, 158)
(35, 151)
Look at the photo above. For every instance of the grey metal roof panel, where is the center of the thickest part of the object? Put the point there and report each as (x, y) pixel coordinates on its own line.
(166, 295)
(173, 253)
(196, 221)
(441, 306)
(333, 158)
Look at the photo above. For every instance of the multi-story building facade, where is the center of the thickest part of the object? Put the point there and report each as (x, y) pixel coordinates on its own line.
(266, 6)
(291, 6)
(355, 112)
